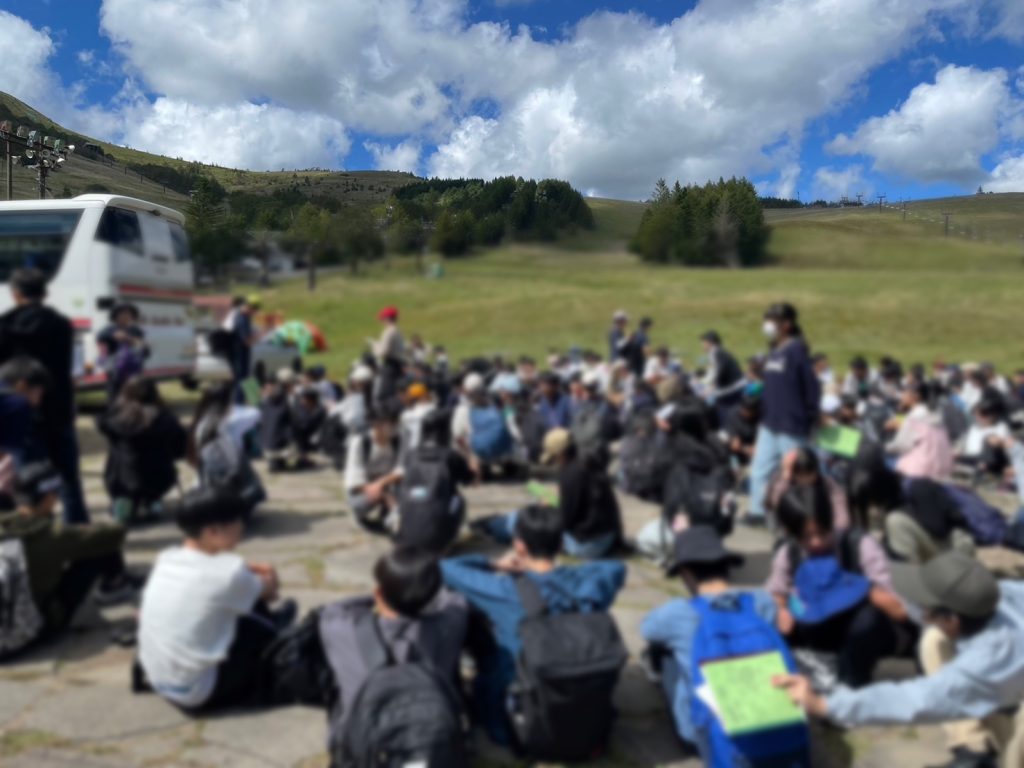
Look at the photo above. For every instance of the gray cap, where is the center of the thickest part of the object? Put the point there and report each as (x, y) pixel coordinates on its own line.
(952, 581)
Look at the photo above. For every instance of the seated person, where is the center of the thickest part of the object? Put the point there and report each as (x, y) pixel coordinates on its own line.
(63, 562)
(920, 518)
(855, 613)
(484, 431)
(489, 587)
(372, 473)
(802, 468)
(741, 429)
(589, 509)
(973, 657)
(307, 417)
(418, 403)
(921, 443)
(205, 622)
(671, 630)
(981, 447)
(430, 507)
(276, 420)
(410, 608)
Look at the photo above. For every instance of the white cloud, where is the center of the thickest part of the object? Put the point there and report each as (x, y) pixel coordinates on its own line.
(616, 102)
(789, 178)
(942, 131)
(86, 57)
(26, 51)
(404, 156)
(1008, 176)
(831, 184)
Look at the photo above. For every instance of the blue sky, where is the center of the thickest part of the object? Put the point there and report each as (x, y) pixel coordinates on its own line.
(816, 98)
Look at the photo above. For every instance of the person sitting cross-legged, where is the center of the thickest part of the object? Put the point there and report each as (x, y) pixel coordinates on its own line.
(205, 622)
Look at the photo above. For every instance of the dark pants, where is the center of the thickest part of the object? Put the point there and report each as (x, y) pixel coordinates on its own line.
(241, 676)
(75, 585)
(65, 459)
(861, 636)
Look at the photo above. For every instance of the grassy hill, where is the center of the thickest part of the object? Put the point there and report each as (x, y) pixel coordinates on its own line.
(864, 282)
(112, 172)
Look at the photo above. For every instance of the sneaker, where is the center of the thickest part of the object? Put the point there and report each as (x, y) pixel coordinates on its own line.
(966, 758)
(125, 590)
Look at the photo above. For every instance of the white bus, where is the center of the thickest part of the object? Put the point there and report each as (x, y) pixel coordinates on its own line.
(98, 251)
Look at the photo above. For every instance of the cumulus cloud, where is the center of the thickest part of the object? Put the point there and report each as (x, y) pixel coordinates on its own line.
(1008, 176)
(834, 183)
(404, 156)
(25, 65)
(942, 131)
(615, 102)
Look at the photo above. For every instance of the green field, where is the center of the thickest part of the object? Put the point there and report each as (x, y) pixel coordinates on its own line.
(863, 282)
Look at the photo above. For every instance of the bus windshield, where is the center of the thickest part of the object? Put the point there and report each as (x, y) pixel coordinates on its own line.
(35, 239)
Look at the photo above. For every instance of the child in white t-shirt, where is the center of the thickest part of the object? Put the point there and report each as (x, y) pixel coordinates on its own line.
(204, 621)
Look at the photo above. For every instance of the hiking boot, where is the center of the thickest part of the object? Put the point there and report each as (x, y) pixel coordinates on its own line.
(966, 758)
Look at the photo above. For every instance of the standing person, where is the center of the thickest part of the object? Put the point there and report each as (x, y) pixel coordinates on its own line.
(243, 337)
(617, 336)
(389, 350)
(34, 330)
(123, 344)
(790, 402)
(638, 346)
(724, 380)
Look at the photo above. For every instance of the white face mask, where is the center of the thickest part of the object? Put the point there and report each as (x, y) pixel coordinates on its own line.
(770, 329)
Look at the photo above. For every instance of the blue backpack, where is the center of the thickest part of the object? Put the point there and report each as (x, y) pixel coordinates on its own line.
(726, 630)
(986, 523)
(491, 438)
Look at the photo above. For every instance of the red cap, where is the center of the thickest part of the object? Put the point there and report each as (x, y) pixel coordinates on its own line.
(388, 313)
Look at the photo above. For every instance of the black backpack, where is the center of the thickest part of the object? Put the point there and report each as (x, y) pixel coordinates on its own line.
(296, 669)
(644, 457)
(701, 495)
(560, 704)
(334, 440)
(406, 713)
(427, 519)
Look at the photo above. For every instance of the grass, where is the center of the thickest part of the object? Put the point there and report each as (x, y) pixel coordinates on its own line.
(865, 282)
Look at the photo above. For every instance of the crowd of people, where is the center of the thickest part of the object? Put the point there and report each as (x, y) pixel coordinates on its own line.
(874, 555)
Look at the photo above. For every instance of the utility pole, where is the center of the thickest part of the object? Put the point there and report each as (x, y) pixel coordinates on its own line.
(860, 198)
(5, 131)
(904, 204)
(881, 200)
(946, 217)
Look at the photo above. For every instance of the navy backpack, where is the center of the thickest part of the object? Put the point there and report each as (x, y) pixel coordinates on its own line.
(729, 627)
(490, 439)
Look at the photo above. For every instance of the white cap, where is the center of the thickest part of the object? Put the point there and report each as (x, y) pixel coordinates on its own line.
(285, 375)
(830, 403)
(473, 382)
(620, 315)
(361, 374)
(591, 378)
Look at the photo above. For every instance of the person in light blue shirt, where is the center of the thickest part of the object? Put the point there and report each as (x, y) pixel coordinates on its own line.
(982, 677)
(704, 565)
(489, 587)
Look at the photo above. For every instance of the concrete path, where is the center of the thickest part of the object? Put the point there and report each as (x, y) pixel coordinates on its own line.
(69, 703)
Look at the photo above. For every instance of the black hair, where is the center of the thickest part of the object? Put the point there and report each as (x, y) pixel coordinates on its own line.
(859, 363)
(646, 322)
(540, 530)
(990, 408)
(24, 370)
(819, 357)
(704, 572)
(802, 503)
(969, 625)
(238, 301)
(409, 579)
(526, 360)
(29, 283)
(787, 313)
(806, 462)
(751, 404)
(872, 483)
(712, 337)
(125, 307)
(689, 418)
(436, 427)
(923, 390)
(204, 507)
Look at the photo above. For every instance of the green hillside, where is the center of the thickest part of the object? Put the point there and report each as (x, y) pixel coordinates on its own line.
(904, 292)
(89, 171)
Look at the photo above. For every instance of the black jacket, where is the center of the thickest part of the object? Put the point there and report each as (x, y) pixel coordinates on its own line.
(144, 444)
(42, 333)
(276, 421)
(587, 501)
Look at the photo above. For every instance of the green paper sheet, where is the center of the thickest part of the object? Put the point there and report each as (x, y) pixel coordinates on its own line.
(745, 700)
(842, 441)
(542, 493)
(251, 391)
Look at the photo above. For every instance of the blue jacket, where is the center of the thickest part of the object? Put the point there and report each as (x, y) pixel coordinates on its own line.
(557, 414)
(588, 587)
(16, 426)
(792, 392)
(673, 627)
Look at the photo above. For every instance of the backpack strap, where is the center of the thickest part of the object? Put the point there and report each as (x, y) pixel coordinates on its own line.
(370, 641)
(530, 596)
(849, 550)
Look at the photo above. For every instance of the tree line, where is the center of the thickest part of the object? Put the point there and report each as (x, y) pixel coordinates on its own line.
(718, 224)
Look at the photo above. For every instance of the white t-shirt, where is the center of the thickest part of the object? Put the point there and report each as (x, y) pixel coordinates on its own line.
(187, 620)
(355, 461)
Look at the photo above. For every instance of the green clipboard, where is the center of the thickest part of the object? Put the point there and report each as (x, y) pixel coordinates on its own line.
(841, 441)
(743, 695)
(542, 493)
(251, 391)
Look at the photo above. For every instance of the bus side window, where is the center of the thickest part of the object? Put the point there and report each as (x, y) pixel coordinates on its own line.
(120, 228)
(179, 240)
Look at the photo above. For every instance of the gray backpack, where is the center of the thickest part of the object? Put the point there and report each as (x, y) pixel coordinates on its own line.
(20, 621)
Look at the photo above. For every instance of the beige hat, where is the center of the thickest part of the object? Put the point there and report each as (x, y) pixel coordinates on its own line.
(556, 442)
(285, 376)
(474, 382)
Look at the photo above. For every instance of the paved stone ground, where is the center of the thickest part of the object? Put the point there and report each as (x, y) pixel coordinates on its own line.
(69, 703)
